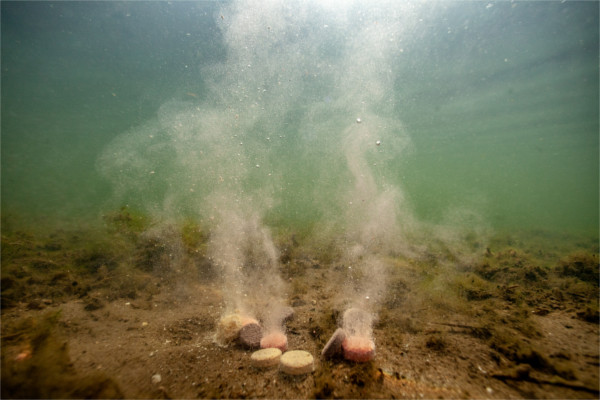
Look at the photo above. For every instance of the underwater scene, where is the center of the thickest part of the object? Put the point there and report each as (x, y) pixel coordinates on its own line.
(300, 199)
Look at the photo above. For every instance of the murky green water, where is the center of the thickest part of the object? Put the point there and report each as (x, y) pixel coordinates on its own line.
(472, 114)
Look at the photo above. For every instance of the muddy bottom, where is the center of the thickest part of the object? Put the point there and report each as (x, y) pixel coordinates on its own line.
(119, 317)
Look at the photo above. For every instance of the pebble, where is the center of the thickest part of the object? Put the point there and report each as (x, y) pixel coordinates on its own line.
(24, 355)
(156, 378)
(296, 362)
(288, 314)
(334, 345)
(265, 358)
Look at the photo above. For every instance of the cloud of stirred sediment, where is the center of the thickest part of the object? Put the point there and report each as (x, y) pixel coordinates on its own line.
(242, 248)
(277, 136)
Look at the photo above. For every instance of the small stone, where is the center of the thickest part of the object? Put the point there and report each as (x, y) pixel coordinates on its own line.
(156, 379)
(523, 371)
(288, 314)
(298, 302)
(35, 305)
(358, 120)
(24, 355)
(144, 324)
(93, 304)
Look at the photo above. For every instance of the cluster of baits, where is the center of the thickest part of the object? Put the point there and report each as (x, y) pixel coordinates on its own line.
(273, 343)
(353, 340)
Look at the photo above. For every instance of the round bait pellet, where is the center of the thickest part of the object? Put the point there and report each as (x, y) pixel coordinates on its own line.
(334, 345)
(248, 320)
(358, 348)
(296, 362)
(250, 335)
(265, 358)
(228, 328)
(275, 339)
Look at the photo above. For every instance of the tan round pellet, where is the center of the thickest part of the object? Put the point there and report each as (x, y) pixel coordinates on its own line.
(228, 329)
(296, 362)
(265, 358)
